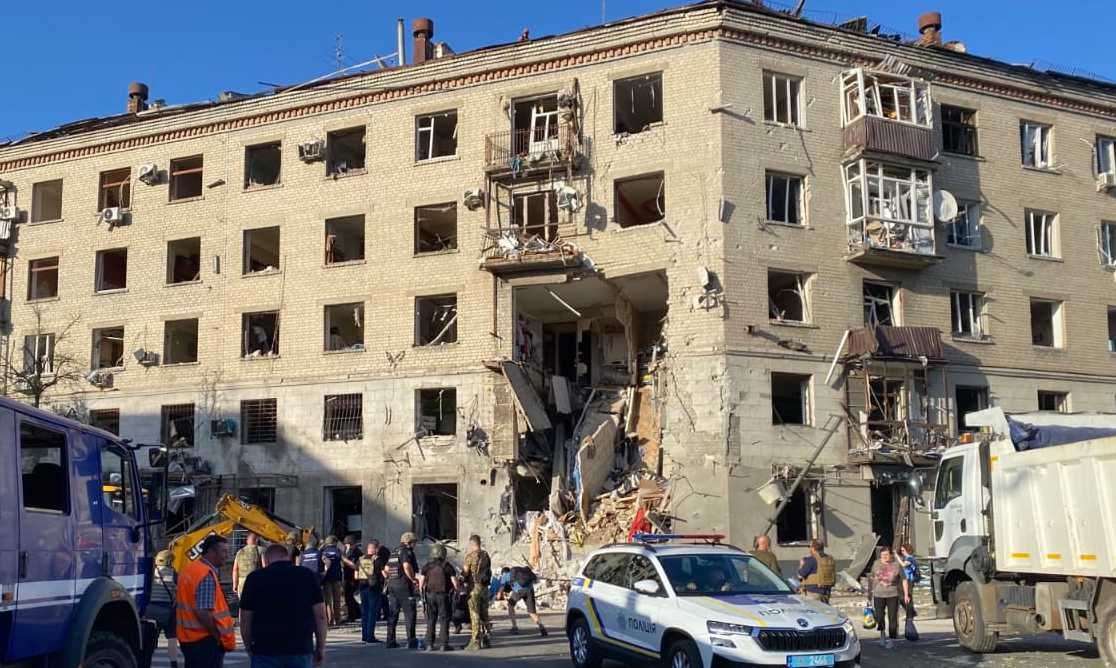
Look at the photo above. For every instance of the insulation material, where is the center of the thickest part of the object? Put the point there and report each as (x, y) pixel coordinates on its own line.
(527, 399)
(594, 462)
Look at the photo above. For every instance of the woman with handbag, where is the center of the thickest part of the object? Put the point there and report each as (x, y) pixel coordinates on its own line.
(887, 585)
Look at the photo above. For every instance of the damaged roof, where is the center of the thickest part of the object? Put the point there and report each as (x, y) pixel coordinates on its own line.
(899, 343)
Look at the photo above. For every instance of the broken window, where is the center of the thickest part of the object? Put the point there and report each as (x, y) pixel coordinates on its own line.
(964, 229)
(1106, 244)
(435, 228)
(437, 412)
(259, 421)
(434, 511)
(344, 327)
(46, 201)
(889, 206)
(784, 199)
(345, 151)
(112, 270)
(640, 200)
(261, 334)
(344, 239)
(970, 400)
(116, 189)
(1053, 401)
(186, 177)
(108, 348)
(790, 398)
(261, 250)
(968, 314)
(959, 130)
(436, 135)
(535, 126)
(42, 279)
(177, 429)
(1046, 323)
(1034, 143)
(787, 298)
(184, 260)
(780, 98)
(880, 306)
(1112, 329)
(536, 214)
(1106, 156)
(886, 406)
(38, 355)
(106, 418)
(343, 419)
(435, 320)
(638, 102)
(1042, 233)
(884, 95)
(262, 164)
(794, 524)
(180, 341)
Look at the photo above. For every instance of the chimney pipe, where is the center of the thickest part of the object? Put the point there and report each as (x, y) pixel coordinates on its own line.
(930, 29)
(137, 97)
(423, 31)
(401, 54)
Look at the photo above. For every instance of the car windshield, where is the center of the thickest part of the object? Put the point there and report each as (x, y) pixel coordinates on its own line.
(721, 575)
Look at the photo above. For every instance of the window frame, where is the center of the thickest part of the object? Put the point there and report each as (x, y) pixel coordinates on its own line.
(805, 385)
(855, 101)
(422, 395)
(1105, 151)
(793, 101)
(123, 184)
(1061, 400)
(1049, 234)
(95, 357)
(646, 76)
(1106, 244)
(99, 269)
(973, 229)
(973, 313)
(799, 197)
(176, 170)
(1041, 144)
(171, 261)
(64, 463)
(947, 489)
(1110, 314)
(327, 320)
(268, 410)
(249, 151)
(440, 207)
(964, 128)
(343, 428)
(618, 183)
(445, 336)
(38, 265)
(331, 160)
(803, 281)
(430, 143)
(51, 340)
(37, 190)
(168, 330)
(1057, 323)
(97, 419)
(174, 413)
(894, 304)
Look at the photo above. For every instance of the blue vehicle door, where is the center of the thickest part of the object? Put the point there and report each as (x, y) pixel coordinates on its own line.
(9, 526)
(45, 560)
(120, 514)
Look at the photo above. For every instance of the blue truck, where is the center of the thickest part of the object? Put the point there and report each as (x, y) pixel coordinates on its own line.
(75, 545)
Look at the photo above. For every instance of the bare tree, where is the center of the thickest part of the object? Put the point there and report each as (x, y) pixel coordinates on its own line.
(45, 360)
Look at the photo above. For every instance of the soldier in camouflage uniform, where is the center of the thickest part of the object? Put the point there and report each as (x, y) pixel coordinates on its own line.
(247, 559)
(478, 575)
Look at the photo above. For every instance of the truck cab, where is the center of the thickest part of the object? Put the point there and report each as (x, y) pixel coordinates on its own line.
(75, 553)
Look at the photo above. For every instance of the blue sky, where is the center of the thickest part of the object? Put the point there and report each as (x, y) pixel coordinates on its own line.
(72, 59)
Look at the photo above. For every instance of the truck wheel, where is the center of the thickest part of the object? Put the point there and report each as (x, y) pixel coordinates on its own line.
(106, 650)
(968, 620)
(1106, 637)
(582, 652)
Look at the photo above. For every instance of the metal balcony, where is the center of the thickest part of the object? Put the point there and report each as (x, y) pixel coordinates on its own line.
(882, 243)
(876, 135)
(523, 152)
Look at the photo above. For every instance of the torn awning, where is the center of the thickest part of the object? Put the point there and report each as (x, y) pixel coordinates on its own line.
(528, 400)
(896, 343)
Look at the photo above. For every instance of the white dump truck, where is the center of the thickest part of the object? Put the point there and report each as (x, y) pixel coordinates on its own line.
(1024, 522)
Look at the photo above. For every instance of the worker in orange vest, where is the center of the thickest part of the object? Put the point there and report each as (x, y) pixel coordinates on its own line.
(205, 626)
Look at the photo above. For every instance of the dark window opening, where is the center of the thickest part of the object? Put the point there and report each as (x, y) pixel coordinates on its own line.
(435, 320)
(536, 214)
(346, 151)
(180, 341)
(344, 327)
(436, 228)
(112, 270)
(46, 201)
(1112, 329)
(344, 239)
(437, 412)
(793, 525)
(638, 102)
(107, 419)
(434, 511)
(436, 135)
(1053, 401)
(186, 177)
(261, 250)
(882, 502)
(640, 200)
(790, 398)
(38, 355)
(535, 125)
(177, 427)
(116, 189)
(259, 421)
(184, 260)
(43, 461)
(261, 334)
(108, 348)
(879, 305)
(262, 164)
(345, 511)
(786, 296)
(343, 419)
(42, 283)
(885, 407)
(959, 130)
(780, 98)
(784, 198)
(262, 497)
(1044, 323)
(969, 400)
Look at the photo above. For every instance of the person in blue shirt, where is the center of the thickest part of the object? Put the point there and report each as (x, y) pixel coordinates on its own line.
(515, 585)
(911, 574)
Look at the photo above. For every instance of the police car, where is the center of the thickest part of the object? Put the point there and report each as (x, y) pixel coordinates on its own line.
(698, 605)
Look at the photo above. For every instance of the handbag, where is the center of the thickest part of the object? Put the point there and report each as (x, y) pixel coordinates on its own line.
(869, 617)
(910, 632)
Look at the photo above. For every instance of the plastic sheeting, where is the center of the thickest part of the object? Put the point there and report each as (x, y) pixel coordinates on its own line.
(1032, 437)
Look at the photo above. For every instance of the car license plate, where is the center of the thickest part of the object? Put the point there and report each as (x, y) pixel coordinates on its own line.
(810, 660)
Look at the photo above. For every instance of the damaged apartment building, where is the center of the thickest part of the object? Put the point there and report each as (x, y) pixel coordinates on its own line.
(648, 273)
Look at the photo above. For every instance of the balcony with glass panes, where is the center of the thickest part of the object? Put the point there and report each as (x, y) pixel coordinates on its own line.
(889, 215)
(887, 114)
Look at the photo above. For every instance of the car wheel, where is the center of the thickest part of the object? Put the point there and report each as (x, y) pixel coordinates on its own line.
(1106, 637)
(683, 654)
(582, 652)
(106, 650)
(968, 621)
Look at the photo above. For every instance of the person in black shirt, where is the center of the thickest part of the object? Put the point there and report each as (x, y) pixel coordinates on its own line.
(282, 614)
(401, 573)
(437, 580)
(350, 553)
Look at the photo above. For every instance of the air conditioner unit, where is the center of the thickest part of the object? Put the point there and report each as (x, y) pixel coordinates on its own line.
(225, 427)
(113, 215)
(569, 199)
(9, 213)
(100, 378)
(474, 199)
(146, 357)
(149, 174)
(1105, 182)
(312, 151)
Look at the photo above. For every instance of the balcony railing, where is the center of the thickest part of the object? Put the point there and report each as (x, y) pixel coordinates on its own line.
(515, 249)
(878, 135)
(882, 242)
(897, 441)
(518, 151)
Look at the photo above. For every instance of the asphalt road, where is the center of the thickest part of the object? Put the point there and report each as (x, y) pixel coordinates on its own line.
(937, 648)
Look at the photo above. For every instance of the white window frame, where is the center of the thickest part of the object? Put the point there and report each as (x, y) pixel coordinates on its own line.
(964, 231)
(799, 204)
(425, 125)
(802, 291)
(1106, 244)
(39, 341)
(788, 90)
(968, 311)
(1106, 155)
(898, 216)
(1042, 241)
(1057, 322)
(1036, 138)
(893, 302)
(863, 92)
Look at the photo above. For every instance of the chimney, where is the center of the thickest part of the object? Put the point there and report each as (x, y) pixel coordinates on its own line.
(423, 30)
(930, 29)
(137, 97)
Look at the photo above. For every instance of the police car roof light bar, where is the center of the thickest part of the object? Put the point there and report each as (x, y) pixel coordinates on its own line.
(654, 538)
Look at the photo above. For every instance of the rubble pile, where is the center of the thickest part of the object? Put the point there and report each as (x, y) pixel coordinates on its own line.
(638, 504)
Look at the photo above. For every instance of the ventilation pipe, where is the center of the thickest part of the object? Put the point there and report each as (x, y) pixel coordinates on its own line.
(423, 31)
(401, 54)
(137, 97)
(930, 29)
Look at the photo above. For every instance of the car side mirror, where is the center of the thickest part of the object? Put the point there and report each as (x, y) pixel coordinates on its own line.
(649, 587)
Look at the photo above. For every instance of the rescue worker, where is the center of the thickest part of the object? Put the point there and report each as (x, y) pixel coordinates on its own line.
(478, 576)
(311, 558)
(818, 573)
(437, 581)
(763, 554)
(370, 580)
(350, 555)
(400, 575)
(332, 587)
(160, 608)
(204, 624)
(247, 559)
(515, 585)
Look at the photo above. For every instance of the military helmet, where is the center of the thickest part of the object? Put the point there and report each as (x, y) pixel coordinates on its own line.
(407, 538)
(163, 558)
(438, 551)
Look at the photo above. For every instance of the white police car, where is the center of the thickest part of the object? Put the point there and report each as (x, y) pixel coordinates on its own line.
(698, 606)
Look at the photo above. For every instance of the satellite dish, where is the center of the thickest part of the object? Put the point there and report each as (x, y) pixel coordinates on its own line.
(945, 206)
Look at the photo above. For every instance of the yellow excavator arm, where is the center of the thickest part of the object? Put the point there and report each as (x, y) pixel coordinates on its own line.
(231, 513)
